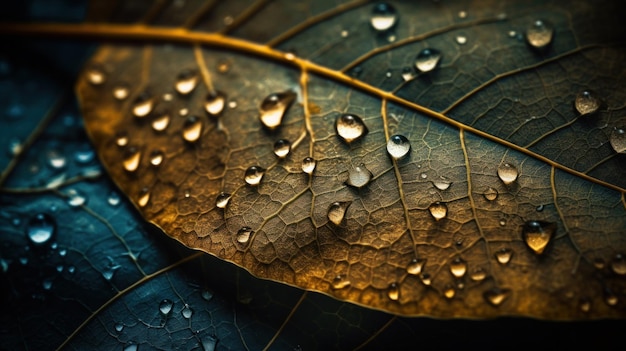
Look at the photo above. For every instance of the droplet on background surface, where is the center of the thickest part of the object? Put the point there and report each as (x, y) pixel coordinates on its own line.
(504, 255)
(393, 292)
(496, 296)
(537, 235)
(458, 267)
(407, 74)
(222, 200)
(540, 33)
(416, 266)
(192, 129)
(214, 103)
(350, 127)
(618, 264)
(337, 212)
(282, 148)
(165, 307)
(161, 123)
(427, 60)
(144, 197)
(384, 17)
(308, 165)
(121, 139)
(121, 92)
(187, 312)
(442, 183)
(40, 229)
(156, 157)
(398, 146)
(478, 275)
(76, 198)
(186, 82)
(618, 140)
(359, 176)
(143, 105)
(114, 199)
(56, 160)
(119, 327)
(254, 174)
(132, 158)
(449, 292)
(274, 107)
(426, 278)
(438, 210)
(243, 235)
(96, 75)
(587, 102)
(507, 173)
(340, 282)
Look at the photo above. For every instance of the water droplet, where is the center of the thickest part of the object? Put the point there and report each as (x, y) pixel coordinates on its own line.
(427, 60)
(214, 103)
(537, 235)
(462, 14)
(207, 295)
(398, 146)
(46, 284)
(496, 296)
(62, 252)
(15, 147)
(438, 210)
(426, 279)
(121, 92)
(610, 298)
(407, 74)
(187, 312)
(156, 157)
(416, 266)
(340, 282)
(273, 108)
(40, 229)
(121, 139)
(223, 66)
(119, 327)
(144, 197)
(71, 269)
(131, 346)
(384, 17)
(84, 156)
(359, 176)
(587, 102)
(442, 183)
(461, 39)
(56, 159)
(254, 175)
(222, 200)
(142, 105)
(478, 275)
(458, 267)
(192, 129)
(449, 292)
(507, 173)
(350, 127)
(282, 148)
(308, 165)
(60, 268)
(96, 75)
(502, 222)
(618, 140)
(539, 208)
(585, 305)
(618, 264)
(165, 307)
(209, 343)
(504, 255)
(168, 97)
(512, 34)
(599, 263)
(76, 198)
(539, 34)
(114, 199)
(186, 81)
(243, 235)
(337, 212)
(344, 33)
(161, 123)
(132, 156)
(393, 292)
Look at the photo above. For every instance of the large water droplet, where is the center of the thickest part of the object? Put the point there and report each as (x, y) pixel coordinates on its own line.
(40, 229)
(192, 129)
(273, 108)
(121, 92)
(618, 264)
(254, 175)
(496, 296)
(427, 60)
(165, 307)
(132, 156)
(359, 176)
(96, 75)
(416, 266)
(393, 291)
(340, 282)
(207, 294)
(504, 255)
(337, 212)
(350, 127)
(156, 157)
(458, 267)
(587, 102)
(384, 17)
(144, 197)
(537, 235)
(507, 173)
(187, 312)
(214, 103)
(539, 35)
(282, 148)
(186, 81)
(142, 105)
(161, 123)
(222, 200)
(438, 210)
(618, 140)
(76, 198)
(398, 146)
(308, 165)
(243, 235)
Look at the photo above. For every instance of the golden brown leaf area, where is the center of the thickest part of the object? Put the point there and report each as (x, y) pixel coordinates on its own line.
(507, 203)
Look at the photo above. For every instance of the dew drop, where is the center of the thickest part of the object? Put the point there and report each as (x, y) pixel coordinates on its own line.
(398, 146)
(458, 267)
(222, 200)
(442, 183)
(462, 14)
(131, 346)
(165, 307)
(76, 198)
(187, 312)
(96, 75)
(121, 92)
(113, 199)
(393, 292)
(273, 108)
(359, 176)
(587, 102)
(161, 123)
(618, 264)
(539, 35)
(156, 157)
(192, 129)
(539, 208)
(121, 139)
(308, 165)
(507, 173)
(461, 39)
(243, 235)
(585, 305)
(207, 295)
(209, 343)
(449, 292)
(119, 327)
(337, 212)
(478, 275)
(142, 105)
(407, 74)
(186, 82)
(618, 140)
(384, 17)
(426, 279)
(282, 148)
(15, 147)
(416, 266)
(537, 235)
(427, 60)
(610, 298)
(599, 263)
(56, 160)
(350, 127)
(254, 175)
(131, 159)
(214, 103)
(504, 255)
(40, 229)
(46, 284)
(71, 269)
(144, 197)
(496, 296)
(62, 252)
(84, 156)
(340, 282)
(438, 210)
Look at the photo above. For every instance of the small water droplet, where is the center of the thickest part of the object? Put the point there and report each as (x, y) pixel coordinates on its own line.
(587, 102)
(192, 129)
(389, 73)
(449, 292)
(537, 235)
(144, 197)
(442, 183)
(340, 282)
(207, 295)
(599, 263)
(96, 75)
(344, 33)
(119, 327)
(398, 146)
(56, 160)
(393, 292)
(62, 252)
(254, 175)
(168, 97)
(214, 103)
(282, 148)
(187, 312)
(243, 235)
(40, 229)
(71, 269)
(427, 60)
(540, 33)
(350, 127)
(384, 17)
(232, 104)
(512, 34)
(46, 284)
(337, 212)
(461, 39)
(458, 267)
(222, 200)
(618, 264)
(121, 92)
(121, 139)
(60, 268)
(23, 260)
(131, 346)
(438, 210)
(462, 14)
(132, 156)
(496, 296)
(156, 157)
(407, 74)
(113, 199)
(585, 305)
(416, 266)
(502, 222)
(76, 198)
(504, 255)
(423, 175)
(426, 278)
(618, 140)
(84, 156)
(308, 165)
(165, 307)
(478, 275)
(161, 123)
(142, 105)
(610, 298)
(223, 66)
(273, 108)
(209, 343)
(539, 208)
(186, 81)
(507, 173)
(359, 176)
(15, 147)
